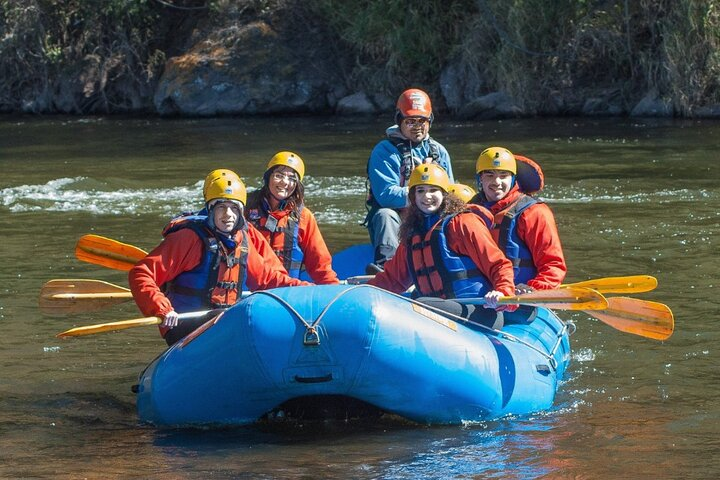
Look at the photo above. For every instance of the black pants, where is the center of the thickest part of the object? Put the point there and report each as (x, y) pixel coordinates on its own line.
(474, 313)
(479, 314)
(185, 327)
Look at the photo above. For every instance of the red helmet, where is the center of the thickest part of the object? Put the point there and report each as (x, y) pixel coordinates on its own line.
(414, 103)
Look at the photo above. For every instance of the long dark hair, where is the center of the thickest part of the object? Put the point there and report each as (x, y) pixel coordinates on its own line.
(294, 201)
(413, 219)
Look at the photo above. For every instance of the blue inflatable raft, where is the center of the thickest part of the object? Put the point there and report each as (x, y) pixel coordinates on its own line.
(359, 342)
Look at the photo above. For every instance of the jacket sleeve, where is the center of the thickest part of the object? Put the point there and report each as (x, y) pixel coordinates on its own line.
(468, 235)
(263, 274)
(316, 255)
(264, 249)
(537, 228)
(384, 174)
(396, 277)
(179, 252)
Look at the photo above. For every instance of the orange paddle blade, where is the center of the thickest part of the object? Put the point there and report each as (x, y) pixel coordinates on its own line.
(69, 296)
(108, 252)
(639, 317)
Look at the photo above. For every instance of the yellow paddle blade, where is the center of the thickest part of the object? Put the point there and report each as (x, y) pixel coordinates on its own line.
(108, 252)
(639, 317)
(108, 327)
(628, 284)
(70, 296)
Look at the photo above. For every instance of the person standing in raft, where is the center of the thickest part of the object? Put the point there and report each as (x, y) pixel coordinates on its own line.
(446, 251)
(392, 161)
(525, 228)
(203, 261)
(278, 211)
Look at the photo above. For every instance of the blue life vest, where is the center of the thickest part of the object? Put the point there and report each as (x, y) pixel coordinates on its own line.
(221, 273)
(409, 163)
(515, 249)
(437, 271)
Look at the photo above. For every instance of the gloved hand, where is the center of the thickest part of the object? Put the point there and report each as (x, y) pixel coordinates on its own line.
(521, 288)
(171, 319)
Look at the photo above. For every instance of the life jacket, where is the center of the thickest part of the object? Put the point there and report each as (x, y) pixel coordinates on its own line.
(515, 249)
(282, 235)
(407, 162)
(437, 271)
(218, 280)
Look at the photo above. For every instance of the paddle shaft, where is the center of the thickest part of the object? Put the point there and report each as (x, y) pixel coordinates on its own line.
(626, 284)
(132, 323)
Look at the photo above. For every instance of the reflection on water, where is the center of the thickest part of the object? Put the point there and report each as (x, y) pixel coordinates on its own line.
(630, 198)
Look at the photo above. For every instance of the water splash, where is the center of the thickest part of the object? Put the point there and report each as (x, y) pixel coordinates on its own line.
(82, 194)
(334, 200)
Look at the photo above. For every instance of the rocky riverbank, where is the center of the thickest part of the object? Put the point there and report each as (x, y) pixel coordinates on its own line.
(287, 59)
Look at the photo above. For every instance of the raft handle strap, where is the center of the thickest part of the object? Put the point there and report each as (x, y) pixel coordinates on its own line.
(311, 337)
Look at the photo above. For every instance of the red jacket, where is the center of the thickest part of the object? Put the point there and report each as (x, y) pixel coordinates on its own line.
(181, 251)
(316, 256)
(466, 235)
(536, 227)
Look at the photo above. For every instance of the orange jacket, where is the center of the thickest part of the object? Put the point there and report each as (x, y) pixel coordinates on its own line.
(316, 256)
(182, 251)
(536, 227)
(466, 235)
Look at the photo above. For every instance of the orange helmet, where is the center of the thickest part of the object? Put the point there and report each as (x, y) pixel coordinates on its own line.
(414, 102)
(429, 174)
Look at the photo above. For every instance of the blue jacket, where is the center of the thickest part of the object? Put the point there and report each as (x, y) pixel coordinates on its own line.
(385, 163)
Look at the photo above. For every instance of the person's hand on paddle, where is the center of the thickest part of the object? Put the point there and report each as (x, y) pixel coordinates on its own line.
(491, 301)
(170, 320)
(521, 288)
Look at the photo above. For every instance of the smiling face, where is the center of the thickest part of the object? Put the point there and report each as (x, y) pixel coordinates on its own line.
(415, 128)
(428, 198)
(226, 216)
(282, 183)
(496, 184)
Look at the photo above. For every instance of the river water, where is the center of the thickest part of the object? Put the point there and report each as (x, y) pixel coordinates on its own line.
(630, 197)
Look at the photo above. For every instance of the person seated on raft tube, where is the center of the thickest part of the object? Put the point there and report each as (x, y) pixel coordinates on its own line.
(278, 211)
(524, 227)
(204, 260)
(446, 251)
(407, 145)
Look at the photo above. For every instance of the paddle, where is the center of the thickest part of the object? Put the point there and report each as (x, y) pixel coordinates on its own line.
(108, 252)
(629, 284)
(565, 298)
(66, 297)
(123, 324)
(639, 317)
